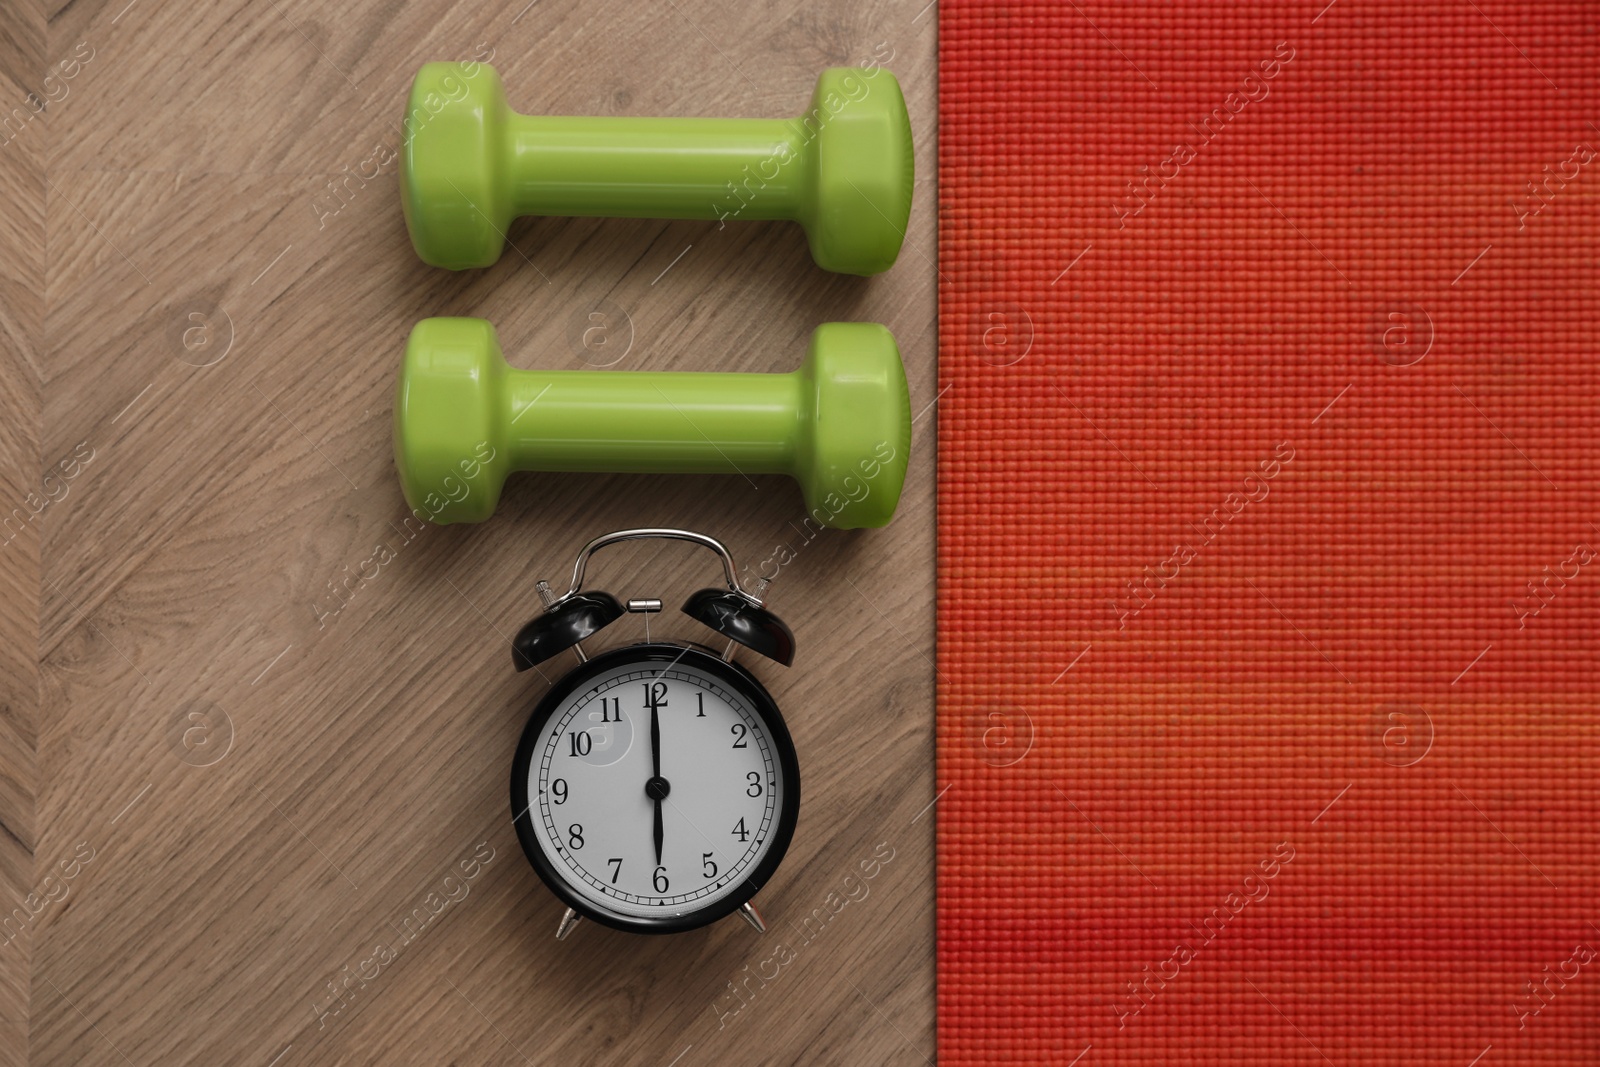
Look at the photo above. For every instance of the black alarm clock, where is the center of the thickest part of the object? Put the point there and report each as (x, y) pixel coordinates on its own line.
(655, 788)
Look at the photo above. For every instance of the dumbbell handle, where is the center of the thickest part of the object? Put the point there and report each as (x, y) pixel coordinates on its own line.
(650, 422)
(656, 168)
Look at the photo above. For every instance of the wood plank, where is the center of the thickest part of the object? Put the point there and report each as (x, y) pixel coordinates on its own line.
(188, 576)
(25, 134)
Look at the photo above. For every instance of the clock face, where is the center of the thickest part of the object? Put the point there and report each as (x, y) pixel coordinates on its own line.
(655, 788)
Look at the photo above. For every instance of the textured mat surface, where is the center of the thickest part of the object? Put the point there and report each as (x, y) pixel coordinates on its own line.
(1269, 554)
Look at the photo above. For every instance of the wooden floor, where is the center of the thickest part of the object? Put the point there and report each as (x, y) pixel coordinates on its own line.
(232, 801)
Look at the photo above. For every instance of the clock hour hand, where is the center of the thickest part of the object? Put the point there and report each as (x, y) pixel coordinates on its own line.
(658, 833)
(657, 789)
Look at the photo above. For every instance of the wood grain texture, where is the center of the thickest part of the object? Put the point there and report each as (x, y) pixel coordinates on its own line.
(24, 144)
(221, 290)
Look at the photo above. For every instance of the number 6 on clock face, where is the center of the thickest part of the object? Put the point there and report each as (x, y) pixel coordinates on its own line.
(656, 788)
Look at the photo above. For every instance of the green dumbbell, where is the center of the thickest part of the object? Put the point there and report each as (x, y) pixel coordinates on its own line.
(470, 165)
(840, 425)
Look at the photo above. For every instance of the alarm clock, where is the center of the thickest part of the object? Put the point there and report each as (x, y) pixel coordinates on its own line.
(655, 788)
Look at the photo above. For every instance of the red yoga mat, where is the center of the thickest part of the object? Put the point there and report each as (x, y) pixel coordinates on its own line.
(1269, 562)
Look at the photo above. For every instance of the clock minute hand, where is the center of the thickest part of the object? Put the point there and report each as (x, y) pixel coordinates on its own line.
(655, 739)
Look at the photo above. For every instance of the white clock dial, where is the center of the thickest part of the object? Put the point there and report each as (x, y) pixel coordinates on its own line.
(593, 789)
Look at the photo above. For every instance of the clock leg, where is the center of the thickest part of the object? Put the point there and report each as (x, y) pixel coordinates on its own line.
(753, 917)
(568, 921)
